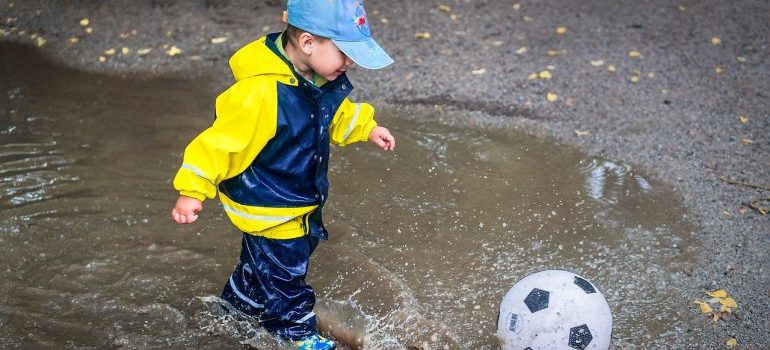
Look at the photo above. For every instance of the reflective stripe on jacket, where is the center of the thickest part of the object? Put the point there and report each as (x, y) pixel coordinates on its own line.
(267, 152)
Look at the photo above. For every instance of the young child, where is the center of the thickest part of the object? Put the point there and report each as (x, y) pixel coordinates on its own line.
(267, 153)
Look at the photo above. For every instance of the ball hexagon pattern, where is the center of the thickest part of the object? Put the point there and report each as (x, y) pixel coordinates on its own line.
(557, 310)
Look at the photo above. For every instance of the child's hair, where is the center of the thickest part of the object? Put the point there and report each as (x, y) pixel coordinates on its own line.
(292, 33)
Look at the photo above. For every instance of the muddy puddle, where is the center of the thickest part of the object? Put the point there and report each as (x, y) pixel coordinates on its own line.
(424, 241)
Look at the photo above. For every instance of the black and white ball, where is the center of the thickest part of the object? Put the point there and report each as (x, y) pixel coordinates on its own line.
(554, 310)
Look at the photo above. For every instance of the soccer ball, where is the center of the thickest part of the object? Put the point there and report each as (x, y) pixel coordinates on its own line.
(556, 310)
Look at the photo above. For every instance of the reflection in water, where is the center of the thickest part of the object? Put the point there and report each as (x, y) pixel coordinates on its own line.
(424, 241)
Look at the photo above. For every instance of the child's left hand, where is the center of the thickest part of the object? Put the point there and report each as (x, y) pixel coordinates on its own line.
(381, 137)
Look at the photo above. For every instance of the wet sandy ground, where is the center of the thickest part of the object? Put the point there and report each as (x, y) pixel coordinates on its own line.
(425, 241)
(680, 124)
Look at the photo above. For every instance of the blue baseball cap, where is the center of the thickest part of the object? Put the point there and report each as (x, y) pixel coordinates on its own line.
(345, 23)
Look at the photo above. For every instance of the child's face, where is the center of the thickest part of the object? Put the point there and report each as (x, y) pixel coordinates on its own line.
(327, 60)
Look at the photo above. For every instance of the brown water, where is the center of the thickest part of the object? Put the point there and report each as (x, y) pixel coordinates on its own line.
(424, 241)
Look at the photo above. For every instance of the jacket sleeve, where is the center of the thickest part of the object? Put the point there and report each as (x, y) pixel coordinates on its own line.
(352, 123)
(242, 128)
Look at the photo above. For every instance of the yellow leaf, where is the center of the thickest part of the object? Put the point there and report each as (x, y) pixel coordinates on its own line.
(109, 52)
(579, 133)
(729, 302)
(731, 342)
(716, 40)
(102, 58)
(454, 17)
(718, 70)
(423, 35)
(634, 79)
(740, 59)
(479, 71)
(173, 51)
(219, 40)
(748, 141)
(89, 30)
(84, 22)
(719, 293)
(444, 8)
(517, 6)
(521, 50)
(144, 51)
(561, 30)
(551, 97)
(384, 20)
(682, 8)
(704, 307)
(634, 54)
(597, 63)
(552, 53)
(74, 40)
(532, 76)
(40, 41)
(743, 119)
(651, 75)
(125, 50)
(544, 75)
(611, 69)
(726, 309)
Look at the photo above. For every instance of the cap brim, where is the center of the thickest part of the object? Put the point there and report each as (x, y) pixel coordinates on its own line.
(367, 54)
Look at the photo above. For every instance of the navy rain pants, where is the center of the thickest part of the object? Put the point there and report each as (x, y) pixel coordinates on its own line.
(269, 284)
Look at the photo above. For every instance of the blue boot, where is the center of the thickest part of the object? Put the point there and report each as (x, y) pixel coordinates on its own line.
(313, 342)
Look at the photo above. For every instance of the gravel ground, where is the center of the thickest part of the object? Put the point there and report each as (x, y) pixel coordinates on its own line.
(674, 110)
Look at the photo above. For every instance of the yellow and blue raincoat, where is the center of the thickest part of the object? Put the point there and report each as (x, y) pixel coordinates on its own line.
(267, 152)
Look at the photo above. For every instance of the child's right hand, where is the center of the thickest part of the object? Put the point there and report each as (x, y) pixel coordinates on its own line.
(186, 210)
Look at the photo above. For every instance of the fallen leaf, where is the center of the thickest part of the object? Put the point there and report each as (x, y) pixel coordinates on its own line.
(384, 20)
(40, 41)
(552, 53)
(517, 6)
(740, 59)
(682, 8)
(726, 309)
(634, 79)
(704, 307)
(144, 51)
(551, 97)
(561, 30)
(634, 54)
(748, 141)
(219, 40)
(173, 51)
(89, 30)
(718, 70)
(102, 58)
(85, 22)
(532, 76)
(716, 40)
(423, 35)
(528, 19)
(729, 302)
(611, 69)
(544, 75)
(479, 71)
(550, 67)
(719, 293)
(580, 133)
(497, 43)
(597, 63)
(125, 50)
(731, 342)
(109, 52)
(743, 119)
(445, 8)
(124, 35)
(74, 40)
(454, 17)
(651, 75)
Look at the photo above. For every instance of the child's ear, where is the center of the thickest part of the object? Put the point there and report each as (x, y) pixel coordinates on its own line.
(306, 41)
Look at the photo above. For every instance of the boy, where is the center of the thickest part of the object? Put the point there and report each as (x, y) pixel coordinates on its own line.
(267, 152)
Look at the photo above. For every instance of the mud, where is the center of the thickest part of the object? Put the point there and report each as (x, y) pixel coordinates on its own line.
(424, 244)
